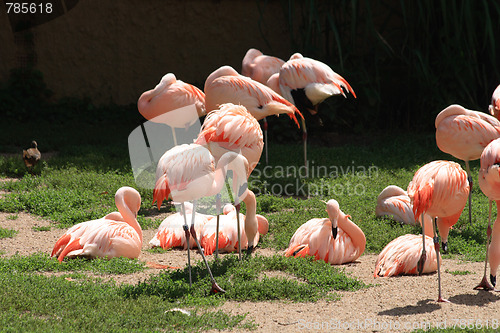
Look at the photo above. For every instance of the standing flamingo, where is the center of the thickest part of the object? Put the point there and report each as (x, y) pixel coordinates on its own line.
(260, 67)
(188, 172)
(228, 238)
(336, 240)
(440, 189)
(489, 182)
(494, 107)
(306, 83)
(232, 128)
(117, 234)
(172, 102)
(464, 134)
(394, 201)
(171, 234)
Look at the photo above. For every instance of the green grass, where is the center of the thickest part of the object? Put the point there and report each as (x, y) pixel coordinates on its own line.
(7, 233)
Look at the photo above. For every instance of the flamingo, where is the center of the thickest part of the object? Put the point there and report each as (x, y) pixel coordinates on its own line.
(336, 240)
(172, 102)
(489, 182)
(188, 172)
(394, 201)
(306, 83)
(464, 134)
(228, 238)
(494, 107)
(117, 234)
(171, 234)
(260, 67)
(232, 128)
(439, 189)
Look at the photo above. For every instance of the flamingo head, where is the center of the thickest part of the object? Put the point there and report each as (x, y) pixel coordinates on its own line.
(333, 210)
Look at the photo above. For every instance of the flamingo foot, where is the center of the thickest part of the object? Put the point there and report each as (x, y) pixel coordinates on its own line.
(216, 289)
(484, 285)
(442, 300)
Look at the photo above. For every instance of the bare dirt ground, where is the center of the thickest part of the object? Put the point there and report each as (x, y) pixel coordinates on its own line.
(397, 304)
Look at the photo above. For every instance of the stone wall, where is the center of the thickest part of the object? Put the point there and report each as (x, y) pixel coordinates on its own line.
(111, 51)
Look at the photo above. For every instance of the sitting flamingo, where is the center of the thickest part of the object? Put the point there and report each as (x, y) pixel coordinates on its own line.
(117, 234)
(336, 240)
(394, 201)
(228, 234)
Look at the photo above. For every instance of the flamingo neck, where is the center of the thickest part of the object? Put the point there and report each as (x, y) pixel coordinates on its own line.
(129, 217)
(357, 236)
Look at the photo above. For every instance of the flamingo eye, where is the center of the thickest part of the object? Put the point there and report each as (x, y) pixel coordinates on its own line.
(260, 107)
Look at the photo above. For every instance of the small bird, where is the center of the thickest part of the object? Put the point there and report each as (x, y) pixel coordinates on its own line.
(464, 134)
(171, 234)
(494, 107)
(228, 238)
(31, 156)
(336, 240)
(394, 201)
(440, 189)
(117, 234)
(489, 182)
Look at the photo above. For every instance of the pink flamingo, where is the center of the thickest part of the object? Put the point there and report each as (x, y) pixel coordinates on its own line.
(336, 240)
(170, 102)
(260, 67)
(171, 234)
(489, 182)
(439, 189)
(306, 83)
(394, 201)
(228, 237)
(117, 234)
(232, 128)
(464, 134)
(188, 172)
(494, 107)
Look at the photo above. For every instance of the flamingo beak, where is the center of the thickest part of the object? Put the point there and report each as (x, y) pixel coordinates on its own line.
(334, 232)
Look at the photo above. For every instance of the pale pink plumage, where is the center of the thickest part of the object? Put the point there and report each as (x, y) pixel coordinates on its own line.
(170, 95)
(314, 238)
(394, 201)
(118, 234)
(228, 235)
(260, 67)
(494, 107)
(225, 85)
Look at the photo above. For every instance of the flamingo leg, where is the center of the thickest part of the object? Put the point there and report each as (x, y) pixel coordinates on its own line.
(215, 286)
(436, 247)
(186, 231)
(421, 261)
(217, 207)
(469, 179)
(175, 137)
(265, 139)
(238, 206)
(304, 140)
(484, 284)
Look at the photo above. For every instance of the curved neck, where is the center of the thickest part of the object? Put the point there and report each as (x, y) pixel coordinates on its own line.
(128, 216)
(356, 234)
(251, 205)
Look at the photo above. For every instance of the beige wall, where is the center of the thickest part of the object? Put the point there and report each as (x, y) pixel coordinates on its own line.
(112, 51)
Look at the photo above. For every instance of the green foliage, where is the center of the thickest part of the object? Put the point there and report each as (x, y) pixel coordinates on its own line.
(7, 233)
(306, 280)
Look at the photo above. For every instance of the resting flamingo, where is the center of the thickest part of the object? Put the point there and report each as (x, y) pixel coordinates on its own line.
(439, 189)
(336, 240)
(228, 238)
(306, 83)
(171, 234)
(172, 102)
(489, 182)
(394, 201)
(232, 128)
(117, 234)
(188, 172)
(464, 134)
(260, 67)
(494, 107)
(402, 254)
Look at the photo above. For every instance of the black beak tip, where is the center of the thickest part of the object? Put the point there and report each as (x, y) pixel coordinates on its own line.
(334, 232)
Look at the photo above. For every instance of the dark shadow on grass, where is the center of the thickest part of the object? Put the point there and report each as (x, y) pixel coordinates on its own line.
(424, 306)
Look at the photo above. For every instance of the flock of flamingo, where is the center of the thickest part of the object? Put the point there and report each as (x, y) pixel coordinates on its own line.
(231, 138)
